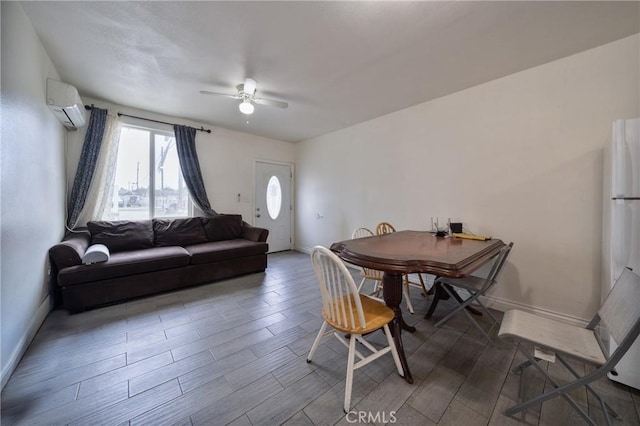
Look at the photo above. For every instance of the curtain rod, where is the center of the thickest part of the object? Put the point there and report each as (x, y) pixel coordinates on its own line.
(201, 129)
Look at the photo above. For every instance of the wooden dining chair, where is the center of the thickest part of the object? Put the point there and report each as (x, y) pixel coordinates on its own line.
(349, 312)
(367, 273)
(619, 315)
(361, 232)
(387, 228)
(384, 228)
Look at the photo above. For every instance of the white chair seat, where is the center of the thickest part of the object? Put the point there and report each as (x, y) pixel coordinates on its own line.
(569, 339)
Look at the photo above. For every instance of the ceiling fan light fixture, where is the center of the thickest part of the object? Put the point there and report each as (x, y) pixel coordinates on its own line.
(246, 107)
(246, 94)
(249, 86)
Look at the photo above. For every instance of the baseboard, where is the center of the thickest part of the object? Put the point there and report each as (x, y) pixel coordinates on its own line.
(23, 344)
(497, 303)
(306, 250)
(504, 305)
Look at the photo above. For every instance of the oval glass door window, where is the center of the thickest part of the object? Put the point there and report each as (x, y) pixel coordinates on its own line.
(274, 197)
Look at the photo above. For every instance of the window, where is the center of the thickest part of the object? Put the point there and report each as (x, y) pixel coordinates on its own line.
(148, 179)
(274, 197)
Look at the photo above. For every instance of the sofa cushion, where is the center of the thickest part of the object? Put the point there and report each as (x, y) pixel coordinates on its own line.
(223, 250)
(125, 263)
(122, 235)
(223, 227)
(178, 232)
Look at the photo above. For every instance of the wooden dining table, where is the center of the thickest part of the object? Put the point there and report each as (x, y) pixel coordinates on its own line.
(407, 252)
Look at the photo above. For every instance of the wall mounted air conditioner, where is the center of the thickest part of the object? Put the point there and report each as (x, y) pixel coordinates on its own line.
(64, 101)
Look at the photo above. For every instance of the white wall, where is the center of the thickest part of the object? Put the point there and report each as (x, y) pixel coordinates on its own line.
(519, 158)
(226, 157)
(33, 185)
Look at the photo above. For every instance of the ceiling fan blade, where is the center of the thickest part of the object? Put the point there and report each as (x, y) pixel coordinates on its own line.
(250, 86)
(270, 102)
(226, 95)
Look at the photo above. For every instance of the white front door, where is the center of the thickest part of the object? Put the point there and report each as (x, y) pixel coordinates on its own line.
(273, 203)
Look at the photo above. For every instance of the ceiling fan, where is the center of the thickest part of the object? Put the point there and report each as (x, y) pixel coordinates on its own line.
(246, 92)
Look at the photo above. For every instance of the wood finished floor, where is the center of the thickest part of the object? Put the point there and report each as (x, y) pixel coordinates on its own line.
(233, 352)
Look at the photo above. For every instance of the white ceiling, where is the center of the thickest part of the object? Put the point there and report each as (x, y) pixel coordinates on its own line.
(335, 63)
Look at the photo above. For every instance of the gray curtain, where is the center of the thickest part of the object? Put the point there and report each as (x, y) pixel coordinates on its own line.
(86, 165)
(186, 145)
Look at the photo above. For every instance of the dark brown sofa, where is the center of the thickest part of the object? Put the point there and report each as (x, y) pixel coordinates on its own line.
(153, 256)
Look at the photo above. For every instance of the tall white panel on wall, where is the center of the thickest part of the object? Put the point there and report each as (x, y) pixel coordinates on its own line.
(621, 227)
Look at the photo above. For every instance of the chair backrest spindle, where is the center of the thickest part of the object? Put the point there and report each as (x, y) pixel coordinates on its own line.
(361, 233)
(384, 228)
(340, 299)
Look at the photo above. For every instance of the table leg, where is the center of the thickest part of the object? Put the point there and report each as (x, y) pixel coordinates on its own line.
(392, 293)
(438, 293)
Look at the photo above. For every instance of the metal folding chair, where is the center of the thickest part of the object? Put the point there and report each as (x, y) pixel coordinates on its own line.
(619, 313)
(476, 287)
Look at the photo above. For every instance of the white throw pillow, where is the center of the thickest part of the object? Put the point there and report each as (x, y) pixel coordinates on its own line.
(95, 254)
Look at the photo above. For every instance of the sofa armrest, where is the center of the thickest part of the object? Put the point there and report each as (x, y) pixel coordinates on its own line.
(253, 233)
(69, 252)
